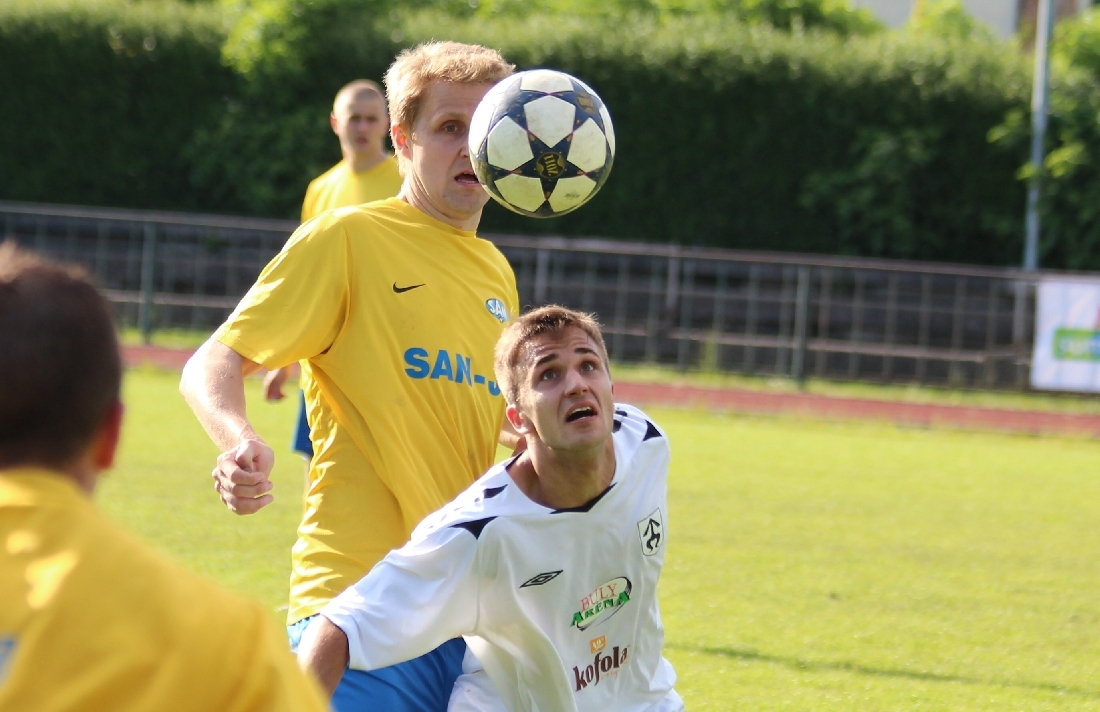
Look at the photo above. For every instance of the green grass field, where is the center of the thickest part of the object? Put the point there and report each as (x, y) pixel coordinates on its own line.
(811, 565)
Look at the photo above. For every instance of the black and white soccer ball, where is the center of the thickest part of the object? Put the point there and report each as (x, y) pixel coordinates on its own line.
(542, 143)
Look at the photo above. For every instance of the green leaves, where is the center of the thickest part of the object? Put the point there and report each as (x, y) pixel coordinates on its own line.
(759, 124)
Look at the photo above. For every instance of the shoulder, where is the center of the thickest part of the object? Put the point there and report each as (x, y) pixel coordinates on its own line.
(632, 423)
(499, 262)
(321, 183)
(328, 176)
(633, 430)
(323, 232)
(121, 583)
(492, 496)
(390, 167)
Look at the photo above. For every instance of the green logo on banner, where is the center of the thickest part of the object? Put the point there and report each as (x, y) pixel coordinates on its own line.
(1077, 344)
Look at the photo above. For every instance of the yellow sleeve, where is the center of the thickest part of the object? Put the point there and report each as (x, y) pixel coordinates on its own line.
(297, 306)
(271, 680)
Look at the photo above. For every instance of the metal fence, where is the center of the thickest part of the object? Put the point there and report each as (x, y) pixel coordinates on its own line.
(749, 312)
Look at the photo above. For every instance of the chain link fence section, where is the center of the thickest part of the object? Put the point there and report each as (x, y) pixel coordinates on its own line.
(719, 310)
(790, 315)
(160, 270)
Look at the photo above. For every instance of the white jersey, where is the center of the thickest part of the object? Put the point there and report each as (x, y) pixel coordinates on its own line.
(558, 606)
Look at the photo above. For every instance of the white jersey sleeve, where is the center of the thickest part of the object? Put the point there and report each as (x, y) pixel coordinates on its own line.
(413, 601)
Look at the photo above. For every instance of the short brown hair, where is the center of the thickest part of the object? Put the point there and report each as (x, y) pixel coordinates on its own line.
(60, 369)
(551, 319)
(414, 70)
(357, 87)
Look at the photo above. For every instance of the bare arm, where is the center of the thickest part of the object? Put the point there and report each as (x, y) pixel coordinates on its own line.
(213, 385)
(273, 383)
(324, 653)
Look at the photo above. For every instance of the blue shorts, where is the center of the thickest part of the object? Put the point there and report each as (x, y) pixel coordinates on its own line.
(299, 442)
(419, 685)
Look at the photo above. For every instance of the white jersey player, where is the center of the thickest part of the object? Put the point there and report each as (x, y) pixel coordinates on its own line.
(548, 565)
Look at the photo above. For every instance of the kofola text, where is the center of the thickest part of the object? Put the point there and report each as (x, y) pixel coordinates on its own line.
(600, 667)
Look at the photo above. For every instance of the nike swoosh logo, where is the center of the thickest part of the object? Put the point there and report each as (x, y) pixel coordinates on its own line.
(398, 290)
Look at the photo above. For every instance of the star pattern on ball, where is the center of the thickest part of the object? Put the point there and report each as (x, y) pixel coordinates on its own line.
(542, 143)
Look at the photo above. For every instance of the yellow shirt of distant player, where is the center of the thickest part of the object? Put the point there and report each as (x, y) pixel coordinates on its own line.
(91, 619)
(340, 187)
(397, 315)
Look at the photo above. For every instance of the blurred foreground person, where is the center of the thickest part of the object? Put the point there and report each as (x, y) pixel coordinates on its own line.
(90, 618)
(548, 565)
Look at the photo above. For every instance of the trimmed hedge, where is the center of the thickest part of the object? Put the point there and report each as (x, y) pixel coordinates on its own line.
(98, 99)
(746, 137)
(729, 134)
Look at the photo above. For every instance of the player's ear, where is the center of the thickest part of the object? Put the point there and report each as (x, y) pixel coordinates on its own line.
(400, 141)
(333, 123)
(517, 419)
(105, 444)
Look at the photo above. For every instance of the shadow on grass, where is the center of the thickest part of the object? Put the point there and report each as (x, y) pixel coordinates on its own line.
(828, 666)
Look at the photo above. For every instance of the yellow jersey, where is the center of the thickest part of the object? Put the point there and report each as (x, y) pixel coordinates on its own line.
(91, 619)
(340, 187)
(396, 316)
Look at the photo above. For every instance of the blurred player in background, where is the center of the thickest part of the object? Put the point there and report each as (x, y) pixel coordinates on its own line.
(366, 173)
(395, 306)
(91, 619)
(548, 564)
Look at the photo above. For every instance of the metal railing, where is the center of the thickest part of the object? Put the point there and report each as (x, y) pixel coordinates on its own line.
(750, 312)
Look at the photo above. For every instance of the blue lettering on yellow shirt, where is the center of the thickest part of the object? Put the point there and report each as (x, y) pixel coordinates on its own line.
(457, 369)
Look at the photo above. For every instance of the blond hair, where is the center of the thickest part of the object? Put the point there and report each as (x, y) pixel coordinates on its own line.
(508, 364)
(359, 86)
(414, 70)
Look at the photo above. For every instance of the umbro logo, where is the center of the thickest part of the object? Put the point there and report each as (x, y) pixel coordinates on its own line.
(399, 290)
(541, 579)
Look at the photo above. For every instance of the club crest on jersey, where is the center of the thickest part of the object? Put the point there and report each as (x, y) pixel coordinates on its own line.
(497, 309)
(602, 603)
(600, 667)
(651, 531)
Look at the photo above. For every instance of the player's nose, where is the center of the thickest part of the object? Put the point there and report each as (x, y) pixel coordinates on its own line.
(575, 382)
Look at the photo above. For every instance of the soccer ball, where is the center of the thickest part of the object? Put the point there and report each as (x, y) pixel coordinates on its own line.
(541, 143)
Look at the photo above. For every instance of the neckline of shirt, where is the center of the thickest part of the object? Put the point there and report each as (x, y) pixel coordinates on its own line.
(359, 174)
(422, 217)
(584, 508)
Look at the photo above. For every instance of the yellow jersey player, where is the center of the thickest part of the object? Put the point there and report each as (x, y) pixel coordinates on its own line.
(395, 306)
(90, 618)
(364, 174)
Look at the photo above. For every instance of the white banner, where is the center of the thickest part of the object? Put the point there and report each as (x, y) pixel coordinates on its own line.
(1067, 336)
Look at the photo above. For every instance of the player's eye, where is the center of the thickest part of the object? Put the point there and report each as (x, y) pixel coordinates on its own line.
(588, 366)
(548, 374)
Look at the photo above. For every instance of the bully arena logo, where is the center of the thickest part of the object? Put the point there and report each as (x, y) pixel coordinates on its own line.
(600, 668)
(602, 603)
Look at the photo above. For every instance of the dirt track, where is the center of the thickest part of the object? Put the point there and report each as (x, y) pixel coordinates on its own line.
(759, 402)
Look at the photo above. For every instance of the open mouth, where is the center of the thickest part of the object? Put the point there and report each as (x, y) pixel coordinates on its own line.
(466, 178)
(584, 411)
